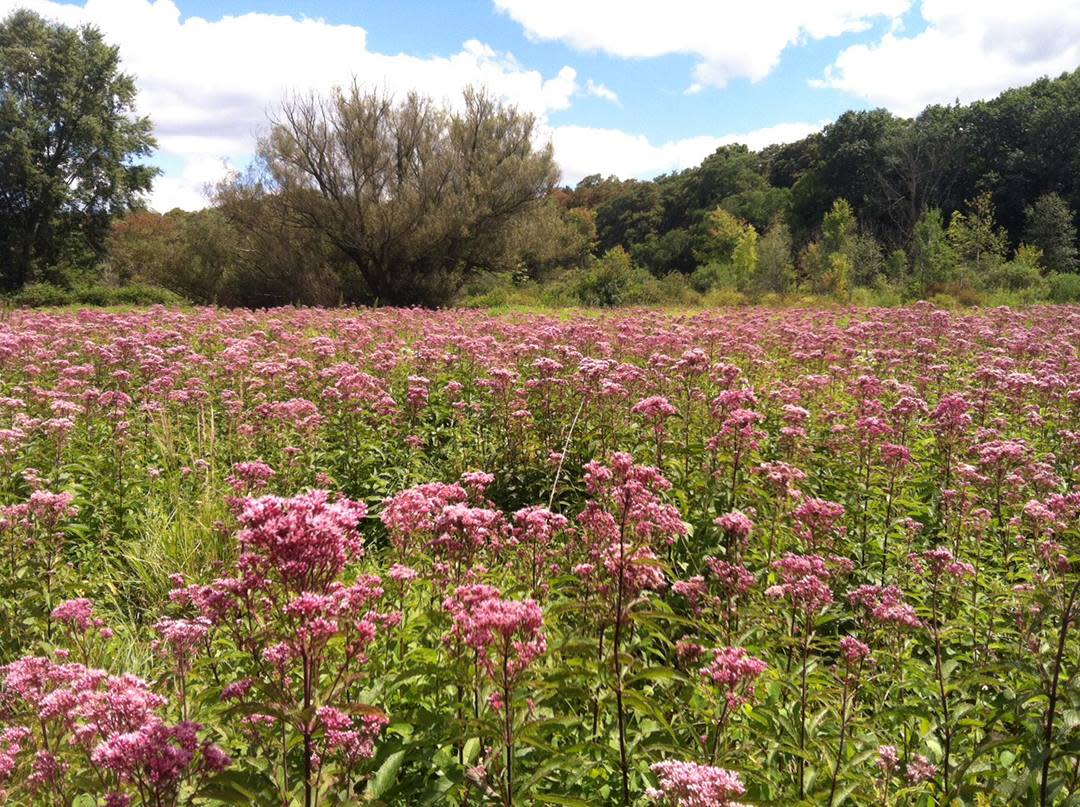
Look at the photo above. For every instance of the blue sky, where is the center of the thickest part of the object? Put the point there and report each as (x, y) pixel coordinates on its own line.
(629, 87)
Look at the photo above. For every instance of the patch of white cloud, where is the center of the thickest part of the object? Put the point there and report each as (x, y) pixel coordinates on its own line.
(601, 91)
(729, 39)
(207, 85)
(584, 150)
(966, 51)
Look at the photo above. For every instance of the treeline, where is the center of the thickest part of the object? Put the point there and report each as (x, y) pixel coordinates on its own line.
(961, 200)
(974, 203)
(357, 197)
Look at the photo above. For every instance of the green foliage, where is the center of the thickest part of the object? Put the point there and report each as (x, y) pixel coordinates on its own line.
(838, 228)
(37, 295)
(932, 256)
(775, 269)
(744, 258)
(979, 244)
(1064, 288)
(1024, 271)
(410, 196)
(1050, 226)
(69, 150)
(612, 281)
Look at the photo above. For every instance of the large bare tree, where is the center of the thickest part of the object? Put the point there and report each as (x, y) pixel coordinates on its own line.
(413, 194)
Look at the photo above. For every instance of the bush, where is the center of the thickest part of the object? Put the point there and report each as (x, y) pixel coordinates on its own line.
(41, 295)
(671, 289)
(612, 281)
(1064, 288)
(946, 301)
(724, 298)
(712, 275)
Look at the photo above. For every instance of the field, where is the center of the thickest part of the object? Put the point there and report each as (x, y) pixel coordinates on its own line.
(406, 557)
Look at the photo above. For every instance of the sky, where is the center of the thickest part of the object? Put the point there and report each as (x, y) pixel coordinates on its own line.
(624, 87)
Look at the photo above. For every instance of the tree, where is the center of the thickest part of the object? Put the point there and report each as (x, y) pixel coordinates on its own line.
(69, 145)
(1051, 228)
(722, 233)
(838, 227)
(744, 260)
(979, 243)
(933, 260)
(775, 270)
(414, 195)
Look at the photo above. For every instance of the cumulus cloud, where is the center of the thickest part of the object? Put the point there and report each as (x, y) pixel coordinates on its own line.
(584, 150)
(729, 39)
(207, 85)
(964, 52)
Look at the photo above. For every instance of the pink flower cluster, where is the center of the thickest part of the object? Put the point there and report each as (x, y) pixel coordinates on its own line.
(734, 671)
(113, 719)
(688, 784)
(885, 605)
(940, 561)
(508, 634)
(79, 615)
(305, 541)
(803, 583)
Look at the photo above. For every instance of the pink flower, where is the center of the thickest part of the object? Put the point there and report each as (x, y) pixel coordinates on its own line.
(853, 651)
(888, 759)
(77, 613)
(885, 605)
(687, 784)
(816, 522)
(654, 409)
(920, 770)
(735, 523)
(940, 562)
(401, 574)
(734, 671)
(306, 540)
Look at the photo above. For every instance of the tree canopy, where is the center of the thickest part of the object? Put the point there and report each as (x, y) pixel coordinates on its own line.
(413, 195)
(69, 146)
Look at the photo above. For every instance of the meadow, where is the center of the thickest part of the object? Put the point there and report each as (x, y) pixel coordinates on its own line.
(410, 557)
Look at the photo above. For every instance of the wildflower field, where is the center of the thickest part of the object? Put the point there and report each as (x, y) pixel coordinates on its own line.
(402, 557)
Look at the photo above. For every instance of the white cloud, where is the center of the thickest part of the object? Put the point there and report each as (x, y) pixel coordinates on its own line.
(601, 91)
(584, 150)
(743, 39)
(966, 52)
(207, 85)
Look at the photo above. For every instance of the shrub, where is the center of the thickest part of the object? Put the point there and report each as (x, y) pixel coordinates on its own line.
(612, 281)
(39, 295)
(1064, 288)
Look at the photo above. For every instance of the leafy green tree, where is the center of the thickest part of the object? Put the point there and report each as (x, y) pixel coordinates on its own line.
(415, 196)
(671, 252)
(867, 262)
(612, 281)
(896, 266)
(1050, 226)
(722, 231)
(775, 269)
(69, 146)
(1024, 271)
(978, 241)
(838, 227)
(744, 260)
(631, 216)
(838, 280)
(932, 257)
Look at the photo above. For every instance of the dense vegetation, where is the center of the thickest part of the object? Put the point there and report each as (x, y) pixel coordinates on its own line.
(356, 197)
(409, 557)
